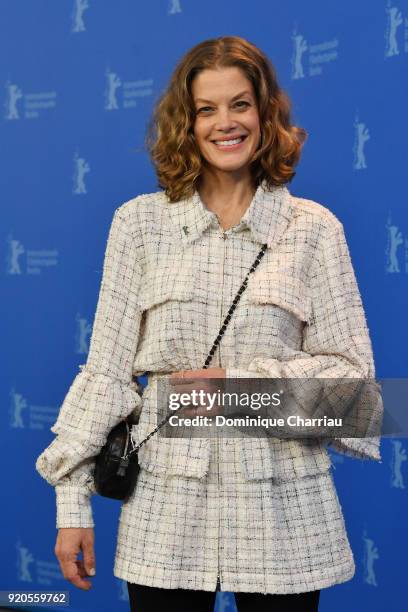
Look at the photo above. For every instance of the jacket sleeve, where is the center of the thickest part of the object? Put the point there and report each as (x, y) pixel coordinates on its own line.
(336, 341)
(102, 393)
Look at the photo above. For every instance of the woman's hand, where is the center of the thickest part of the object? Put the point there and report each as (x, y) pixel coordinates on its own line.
(185, 381)
(69, 542)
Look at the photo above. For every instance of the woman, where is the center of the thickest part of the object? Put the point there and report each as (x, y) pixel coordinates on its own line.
(256, 516)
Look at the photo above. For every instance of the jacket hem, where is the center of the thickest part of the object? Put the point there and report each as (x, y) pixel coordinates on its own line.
(282, 584)
(164, 578)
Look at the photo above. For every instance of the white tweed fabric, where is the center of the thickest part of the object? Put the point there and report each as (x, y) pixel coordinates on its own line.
(262, 513)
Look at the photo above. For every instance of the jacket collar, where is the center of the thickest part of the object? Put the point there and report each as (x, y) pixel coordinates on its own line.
(267, 216)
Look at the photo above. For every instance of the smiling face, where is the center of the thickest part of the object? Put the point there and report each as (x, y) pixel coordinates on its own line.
(225, 109)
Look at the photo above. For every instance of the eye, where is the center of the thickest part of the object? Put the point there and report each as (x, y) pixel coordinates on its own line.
(203, 108)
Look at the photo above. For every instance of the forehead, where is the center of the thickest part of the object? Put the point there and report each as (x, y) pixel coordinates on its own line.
(221, 83)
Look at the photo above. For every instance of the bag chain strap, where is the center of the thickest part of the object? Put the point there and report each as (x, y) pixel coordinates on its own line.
(210, 355)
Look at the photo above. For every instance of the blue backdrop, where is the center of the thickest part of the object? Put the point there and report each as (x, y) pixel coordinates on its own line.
(79, 81)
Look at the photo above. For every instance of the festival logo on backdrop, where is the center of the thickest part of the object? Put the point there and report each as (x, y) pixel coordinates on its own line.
(370, 556)
(35, 260)
(361, 136)
(13, 95)
(396, 37)
(14, 250)
(299, 48)
(18, 404)
(34, 570)
(394, 250)
(83, 331)
(124, 94)
(174, 7)
(81, 169)
(24, 561)
(311, 59)
(18, 105)
(78, 24)
(398, 457)
(34, 417)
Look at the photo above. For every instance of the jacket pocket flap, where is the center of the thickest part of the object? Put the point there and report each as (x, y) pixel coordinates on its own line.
(282, 460)
(172, 456)
(163, 284)
(275, 287)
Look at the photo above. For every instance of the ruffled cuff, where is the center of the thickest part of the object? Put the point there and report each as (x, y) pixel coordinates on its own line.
(358, 448)
(94, 404)
(74, 508)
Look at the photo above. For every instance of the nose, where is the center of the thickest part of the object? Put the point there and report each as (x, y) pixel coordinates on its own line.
(224, 121)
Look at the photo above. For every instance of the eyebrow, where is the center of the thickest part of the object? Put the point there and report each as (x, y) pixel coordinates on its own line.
(242, 93)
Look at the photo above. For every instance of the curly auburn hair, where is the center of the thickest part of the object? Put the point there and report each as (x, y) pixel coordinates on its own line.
(170, 140)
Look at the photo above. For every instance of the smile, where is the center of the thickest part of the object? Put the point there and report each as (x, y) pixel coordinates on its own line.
(230, 144)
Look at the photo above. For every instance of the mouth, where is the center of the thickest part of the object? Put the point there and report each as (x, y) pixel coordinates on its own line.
(230, 143)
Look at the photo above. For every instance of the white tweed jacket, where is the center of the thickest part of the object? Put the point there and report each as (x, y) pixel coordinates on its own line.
(254, 514)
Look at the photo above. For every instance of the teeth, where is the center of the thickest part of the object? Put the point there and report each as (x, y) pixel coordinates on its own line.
(229, 142)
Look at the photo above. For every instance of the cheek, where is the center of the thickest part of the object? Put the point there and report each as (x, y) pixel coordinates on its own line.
(203, 143)
(199, 130)
(253, 121)
(255, 125)
(200, 139)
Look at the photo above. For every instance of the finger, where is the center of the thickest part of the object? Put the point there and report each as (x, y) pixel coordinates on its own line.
(182, 375)
(184, 386)
(81, 568)
(83, 572)
(187, 385)
(183, 380)
(89, 556)
(200, 402)
(177, 374)
(201, 394)
(214, 411)
(195, 412)
(185, 395)
(70, 571)
(209, 373)
(202, 410)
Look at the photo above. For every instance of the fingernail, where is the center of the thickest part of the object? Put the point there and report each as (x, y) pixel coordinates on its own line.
(92, 572)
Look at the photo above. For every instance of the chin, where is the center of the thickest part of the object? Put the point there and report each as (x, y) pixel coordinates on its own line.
(230, 167)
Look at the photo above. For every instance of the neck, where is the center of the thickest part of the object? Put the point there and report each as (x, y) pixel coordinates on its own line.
(227, 197)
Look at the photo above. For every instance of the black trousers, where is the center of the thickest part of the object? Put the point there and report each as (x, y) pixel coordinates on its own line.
(145, 598)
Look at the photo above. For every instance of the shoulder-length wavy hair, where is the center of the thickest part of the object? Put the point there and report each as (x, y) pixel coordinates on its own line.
(170, 140)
